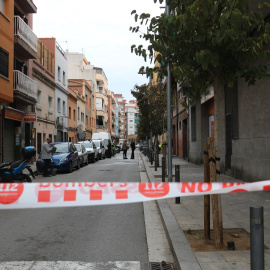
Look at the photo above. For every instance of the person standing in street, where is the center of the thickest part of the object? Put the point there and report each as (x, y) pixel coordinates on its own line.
(124, 147)
(109, 149)
(46, 154)
(132, 145)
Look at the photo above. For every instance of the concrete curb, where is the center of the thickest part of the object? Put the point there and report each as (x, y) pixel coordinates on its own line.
(184, 256)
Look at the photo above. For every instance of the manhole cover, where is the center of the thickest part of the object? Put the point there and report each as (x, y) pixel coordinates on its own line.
(105, 170)
(160, 266)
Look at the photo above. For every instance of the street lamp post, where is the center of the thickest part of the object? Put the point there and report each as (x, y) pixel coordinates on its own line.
(169, 126)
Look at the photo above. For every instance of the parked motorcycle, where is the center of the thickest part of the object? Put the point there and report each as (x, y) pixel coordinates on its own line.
(13, 171)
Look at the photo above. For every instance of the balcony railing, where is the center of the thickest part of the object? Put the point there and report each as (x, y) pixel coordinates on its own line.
(22, 30)
(24, 84)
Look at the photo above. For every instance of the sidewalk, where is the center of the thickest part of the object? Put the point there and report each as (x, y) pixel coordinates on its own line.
(190, 215)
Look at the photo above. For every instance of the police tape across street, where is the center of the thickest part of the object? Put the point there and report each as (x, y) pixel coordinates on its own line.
(43, 195)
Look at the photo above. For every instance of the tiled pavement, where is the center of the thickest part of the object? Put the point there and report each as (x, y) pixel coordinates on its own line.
(189, 215)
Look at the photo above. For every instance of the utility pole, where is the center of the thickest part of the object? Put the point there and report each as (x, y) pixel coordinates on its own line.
(169, 124)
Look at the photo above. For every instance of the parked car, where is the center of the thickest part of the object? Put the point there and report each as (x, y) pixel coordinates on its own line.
(83, 155)
(65, 158)
(100, 144)
(103, 136)
(91, 150)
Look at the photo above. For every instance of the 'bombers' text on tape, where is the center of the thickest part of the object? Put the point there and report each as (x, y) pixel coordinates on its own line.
(38, 195)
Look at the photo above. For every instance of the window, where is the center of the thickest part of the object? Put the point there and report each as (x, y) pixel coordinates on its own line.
(86, 119)
(131, 121)
(82, 116)
(58, 105)
(39, 97)
(50, 103)
(78, 113)
(74, 115)
(59, 74)
(69, 112)
(64, 108)
(64, 78)
(3, 62)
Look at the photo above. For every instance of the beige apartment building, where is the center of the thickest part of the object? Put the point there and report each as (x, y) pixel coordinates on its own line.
(101, 101)
(111, 114)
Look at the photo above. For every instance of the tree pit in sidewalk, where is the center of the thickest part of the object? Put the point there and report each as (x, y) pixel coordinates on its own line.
(239, 236)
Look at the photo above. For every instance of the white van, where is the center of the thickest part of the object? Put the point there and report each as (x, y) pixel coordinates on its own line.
(103, 136)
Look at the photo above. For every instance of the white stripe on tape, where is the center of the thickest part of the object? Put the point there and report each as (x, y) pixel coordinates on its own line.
(38, 195)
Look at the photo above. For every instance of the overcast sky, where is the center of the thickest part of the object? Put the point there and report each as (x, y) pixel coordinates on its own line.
(100, 30)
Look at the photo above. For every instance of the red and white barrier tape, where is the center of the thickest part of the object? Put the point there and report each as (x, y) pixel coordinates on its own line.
(39, 195)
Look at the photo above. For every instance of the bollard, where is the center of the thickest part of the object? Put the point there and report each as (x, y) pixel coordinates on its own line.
(163, 169)
(155, 161)
(256, 238)
(177, 179)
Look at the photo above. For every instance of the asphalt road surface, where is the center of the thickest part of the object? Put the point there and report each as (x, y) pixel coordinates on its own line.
(96, 234)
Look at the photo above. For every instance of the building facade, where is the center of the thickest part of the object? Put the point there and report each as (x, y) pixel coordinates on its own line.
(43, 74)
(132, 116)
(72, 116)
(101, 101)
(80, 69)
(121, 112)
(61, 93)
(111, 114)
(6, 63)
(18, 114)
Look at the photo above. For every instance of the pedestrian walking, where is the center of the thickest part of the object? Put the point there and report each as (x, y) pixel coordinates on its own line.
(109, 149)
(124, 147)
(133, 146)
(113, 148)
(46, 153)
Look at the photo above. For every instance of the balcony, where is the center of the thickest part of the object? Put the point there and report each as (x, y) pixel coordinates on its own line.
(25, 40)
(24, 87)
(27, 5)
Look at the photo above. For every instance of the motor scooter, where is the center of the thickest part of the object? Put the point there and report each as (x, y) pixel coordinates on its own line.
(12, 172)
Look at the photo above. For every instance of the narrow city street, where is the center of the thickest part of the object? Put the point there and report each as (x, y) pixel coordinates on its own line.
(96, 235)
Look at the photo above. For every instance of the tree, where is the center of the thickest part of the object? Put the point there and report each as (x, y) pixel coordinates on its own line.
(209, 42)
(151, 100)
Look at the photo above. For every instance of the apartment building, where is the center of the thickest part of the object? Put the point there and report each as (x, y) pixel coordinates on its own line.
(111, 114)
(44, 76)
(132, 117)
(81, 71)
(61, 93)
(18, 113)
(72, 116)
(121, 111)
(101, 100)
(6, 60)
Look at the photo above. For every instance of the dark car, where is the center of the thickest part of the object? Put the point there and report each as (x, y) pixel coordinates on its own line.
(83, 155)
(65, 158)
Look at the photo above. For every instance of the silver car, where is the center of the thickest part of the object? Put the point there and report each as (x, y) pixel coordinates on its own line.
(100, 144)
(83, 155)
(91, 150)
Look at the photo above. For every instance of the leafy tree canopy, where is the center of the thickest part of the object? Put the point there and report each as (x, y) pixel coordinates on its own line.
(207, 40)
(152, 102)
